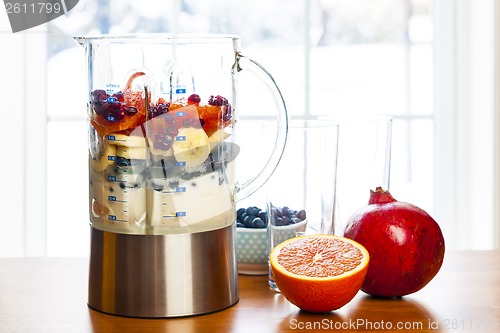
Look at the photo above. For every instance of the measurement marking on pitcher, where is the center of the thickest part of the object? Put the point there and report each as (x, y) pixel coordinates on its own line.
(113, 218)
(114, 199)
(180, 189)
(113, 138)
(114, 179)
(177, 214)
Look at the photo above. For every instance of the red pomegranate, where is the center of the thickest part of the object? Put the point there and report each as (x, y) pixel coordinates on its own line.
(405, 243)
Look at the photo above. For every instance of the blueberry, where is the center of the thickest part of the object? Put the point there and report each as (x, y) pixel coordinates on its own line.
(248, 221)
(157, 187)
(279, 222)
(173, 184)
(239, 212)
(240, 225)
(301, 215)
(285, 211)
(258, 223)
(242, 216)
(287, 220)
(218, 101)
(99, 95)
(263, 215)
(253, 211)
(122, 161)
(276, 212)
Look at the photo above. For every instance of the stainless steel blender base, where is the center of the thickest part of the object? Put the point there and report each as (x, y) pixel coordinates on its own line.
(155, 276)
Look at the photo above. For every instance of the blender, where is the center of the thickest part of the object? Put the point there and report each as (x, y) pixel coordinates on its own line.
(162, 117)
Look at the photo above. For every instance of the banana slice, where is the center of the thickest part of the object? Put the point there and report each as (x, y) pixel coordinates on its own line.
(105, 158)
(127, 140)
(129, 146)
(217, 137)
(192, 146)
(158, 154)
(133, 153)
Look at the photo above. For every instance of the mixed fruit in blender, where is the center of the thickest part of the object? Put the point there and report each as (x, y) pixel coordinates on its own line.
(160, 166)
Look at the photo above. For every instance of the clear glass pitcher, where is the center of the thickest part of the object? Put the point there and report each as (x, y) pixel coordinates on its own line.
(162, 118)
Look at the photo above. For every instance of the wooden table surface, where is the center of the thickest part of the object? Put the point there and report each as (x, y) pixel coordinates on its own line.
(39, 295)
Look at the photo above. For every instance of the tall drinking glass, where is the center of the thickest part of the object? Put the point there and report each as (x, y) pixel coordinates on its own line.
(301, 192)
(364, 161)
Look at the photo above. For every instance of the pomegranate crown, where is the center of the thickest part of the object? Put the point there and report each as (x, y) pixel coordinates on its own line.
(380, 196)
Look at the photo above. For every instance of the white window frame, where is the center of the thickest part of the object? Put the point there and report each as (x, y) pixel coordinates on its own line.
(496, 122)
(467, 184)
(23, 201)
(464, 85)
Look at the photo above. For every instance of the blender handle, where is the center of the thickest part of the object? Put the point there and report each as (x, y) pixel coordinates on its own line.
(253, 184)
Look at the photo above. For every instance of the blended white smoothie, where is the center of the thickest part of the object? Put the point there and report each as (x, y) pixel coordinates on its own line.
(138, 199)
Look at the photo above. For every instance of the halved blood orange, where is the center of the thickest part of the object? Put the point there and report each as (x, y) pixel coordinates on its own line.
(319, 273)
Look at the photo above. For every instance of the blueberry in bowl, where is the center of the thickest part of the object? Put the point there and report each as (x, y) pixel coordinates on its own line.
(252, 235)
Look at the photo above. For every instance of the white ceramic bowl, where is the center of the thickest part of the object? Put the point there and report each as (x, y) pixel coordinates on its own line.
(251, 247)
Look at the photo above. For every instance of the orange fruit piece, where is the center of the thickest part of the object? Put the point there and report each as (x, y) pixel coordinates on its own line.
(131, 98)
(105, 127)
(319, 273)
(212, 118)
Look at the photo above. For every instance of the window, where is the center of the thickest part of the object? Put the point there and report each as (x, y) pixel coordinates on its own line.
(327, 56)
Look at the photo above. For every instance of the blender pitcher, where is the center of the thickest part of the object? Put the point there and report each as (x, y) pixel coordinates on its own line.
(162, 181)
